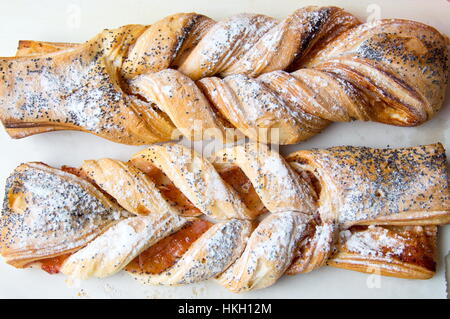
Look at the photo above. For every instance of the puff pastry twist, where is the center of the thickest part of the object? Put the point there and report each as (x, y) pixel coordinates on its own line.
(135, 84)
(350, 207)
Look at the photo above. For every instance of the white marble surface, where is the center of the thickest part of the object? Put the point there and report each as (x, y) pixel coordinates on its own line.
(78, 20)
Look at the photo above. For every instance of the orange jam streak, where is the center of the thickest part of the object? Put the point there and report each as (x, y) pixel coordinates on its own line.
(53, 265)
(237, 179)
(168, 190)
(171, 193)
(165, 253)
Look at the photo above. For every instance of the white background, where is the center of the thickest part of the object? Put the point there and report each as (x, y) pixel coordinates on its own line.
(78, 20)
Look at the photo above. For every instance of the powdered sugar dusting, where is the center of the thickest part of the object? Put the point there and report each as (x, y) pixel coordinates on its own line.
(201, 183)
(228, 39)
(269, 252)
(209, 256)
(114, 249)
(374, 244)
(275, 166)
(52, 211)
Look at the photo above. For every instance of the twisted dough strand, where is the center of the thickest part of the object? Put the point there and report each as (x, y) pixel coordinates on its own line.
(320, 213)
(374, 72)
(249, 44)
(119, 85)
(198, 46)
(84, 87)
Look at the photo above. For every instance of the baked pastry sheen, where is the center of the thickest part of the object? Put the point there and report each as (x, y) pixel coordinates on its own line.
(369, 210)
(138, 84)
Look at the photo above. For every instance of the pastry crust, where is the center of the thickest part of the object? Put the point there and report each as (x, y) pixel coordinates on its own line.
(114, 249)
(208, 257)
(197, 179)
(278, 186)
(402, 251)
(47, 213)
(369, 210)
(145, 84)
(366, 186)
(142, 196)
(269, 252)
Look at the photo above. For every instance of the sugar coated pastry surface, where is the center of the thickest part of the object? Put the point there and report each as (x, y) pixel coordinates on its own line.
(244, 217)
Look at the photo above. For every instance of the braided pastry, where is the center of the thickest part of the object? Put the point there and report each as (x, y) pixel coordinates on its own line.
(349, 207)
(136, 84)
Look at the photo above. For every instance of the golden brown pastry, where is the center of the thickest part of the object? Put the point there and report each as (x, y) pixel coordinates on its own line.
(364, 209)
(364, 186)
(145, 84)
(48, 212)
(398, 251)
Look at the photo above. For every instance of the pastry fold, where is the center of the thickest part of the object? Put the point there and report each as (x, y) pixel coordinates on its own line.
(397, 251)
(114, 249)
(365, 186)
(197, 179)
(48, 212)
(207, 257)
(269, 252)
